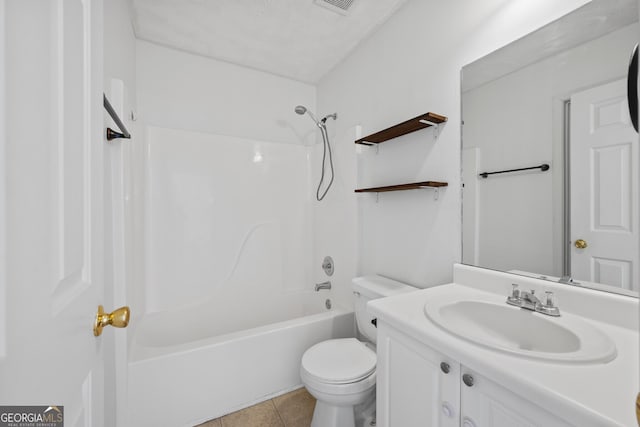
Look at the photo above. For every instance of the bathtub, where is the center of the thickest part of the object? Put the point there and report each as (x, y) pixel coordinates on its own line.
(199, 363)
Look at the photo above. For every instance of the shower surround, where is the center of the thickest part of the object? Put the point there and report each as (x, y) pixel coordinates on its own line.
(226, 218)
(222, 238)
(228, 299)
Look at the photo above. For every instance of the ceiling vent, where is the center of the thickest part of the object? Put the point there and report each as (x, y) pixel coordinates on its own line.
(338, 6)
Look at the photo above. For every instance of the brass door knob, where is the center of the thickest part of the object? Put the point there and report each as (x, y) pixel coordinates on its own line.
(580, 244)
(118, 318)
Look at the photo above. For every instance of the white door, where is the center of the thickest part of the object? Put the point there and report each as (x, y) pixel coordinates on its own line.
(51, 206)
(604, 188)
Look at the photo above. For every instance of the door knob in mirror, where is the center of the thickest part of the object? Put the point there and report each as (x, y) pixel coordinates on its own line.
(580, 244)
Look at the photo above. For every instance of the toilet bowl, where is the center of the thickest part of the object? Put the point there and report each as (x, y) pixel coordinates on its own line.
(341, 373)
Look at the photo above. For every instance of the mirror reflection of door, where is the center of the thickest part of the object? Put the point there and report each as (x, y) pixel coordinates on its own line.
(513, 117)
(604, 187)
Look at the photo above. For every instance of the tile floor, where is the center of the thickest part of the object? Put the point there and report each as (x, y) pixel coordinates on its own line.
(293, 409)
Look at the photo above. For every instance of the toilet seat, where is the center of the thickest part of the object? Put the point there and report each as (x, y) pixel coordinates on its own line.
(338, 361)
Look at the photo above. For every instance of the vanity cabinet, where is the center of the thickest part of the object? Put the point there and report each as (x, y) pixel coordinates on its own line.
(419, 386)
(416, 385)
(487, 404)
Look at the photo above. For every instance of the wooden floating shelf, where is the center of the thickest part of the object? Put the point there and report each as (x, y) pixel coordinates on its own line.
(401, 187)
(421, 122)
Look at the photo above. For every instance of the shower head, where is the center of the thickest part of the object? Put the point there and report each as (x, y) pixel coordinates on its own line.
(301, 109)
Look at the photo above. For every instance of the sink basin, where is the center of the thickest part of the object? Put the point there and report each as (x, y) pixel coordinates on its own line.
(522, 332)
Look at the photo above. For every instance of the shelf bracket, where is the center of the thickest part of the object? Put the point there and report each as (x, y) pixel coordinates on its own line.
(436, 192)
(436, 126)
(368, 144)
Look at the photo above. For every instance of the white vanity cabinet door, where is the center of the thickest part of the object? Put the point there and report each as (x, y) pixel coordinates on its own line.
(486, 404)
(413, 389)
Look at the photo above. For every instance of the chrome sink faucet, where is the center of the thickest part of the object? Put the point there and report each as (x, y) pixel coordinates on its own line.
(529, 301)
(323, 285)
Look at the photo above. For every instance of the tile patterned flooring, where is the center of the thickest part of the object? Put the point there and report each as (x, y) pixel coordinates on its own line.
(294, 409)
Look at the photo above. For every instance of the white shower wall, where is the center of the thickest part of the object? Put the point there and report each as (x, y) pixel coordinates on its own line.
(225, 216)
(225, 178)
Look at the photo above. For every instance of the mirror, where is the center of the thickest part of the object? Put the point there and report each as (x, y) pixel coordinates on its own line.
(550, 159)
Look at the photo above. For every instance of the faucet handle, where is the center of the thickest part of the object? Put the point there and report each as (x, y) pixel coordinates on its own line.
(514, 298)
(548, 306)
(515, 292)
(549, 299)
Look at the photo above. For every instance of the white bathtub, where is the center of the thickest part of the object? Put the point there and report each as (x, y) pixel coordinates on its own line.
(202, 362)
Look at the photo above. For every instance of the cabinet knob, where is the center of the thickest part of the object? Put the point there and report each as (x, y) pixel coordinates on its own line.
(444, 366)
(467, 422)
(468, 380)
(447, 410)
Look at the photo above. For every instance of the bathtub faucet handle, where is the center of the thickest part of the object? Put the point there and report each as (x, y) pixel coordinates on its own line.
(323, 285)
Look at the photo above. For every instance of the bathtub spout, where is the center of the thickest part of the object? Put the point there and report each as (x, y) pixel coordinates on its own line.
(323, 285)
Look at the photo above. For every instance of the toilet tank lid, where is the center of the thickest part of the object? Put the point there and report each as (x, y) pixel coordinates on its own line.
(375, 286)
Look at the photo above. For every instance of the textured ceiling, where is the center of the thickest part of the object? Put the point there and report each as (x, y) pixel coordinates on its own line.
(292, 38)
(589, 22)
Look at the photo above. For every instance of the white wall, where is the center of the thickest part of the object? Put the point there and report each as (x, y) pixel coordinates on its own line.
(226, 178)
(519, 208)
(120, 86)
(408, 67)
(185, 91)
(120, 47)
(119, 81)
(3, 207)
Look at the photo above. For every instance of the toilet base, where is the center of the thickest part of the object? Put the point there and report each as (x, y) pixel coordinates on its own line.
(359, 411)
(325, 415)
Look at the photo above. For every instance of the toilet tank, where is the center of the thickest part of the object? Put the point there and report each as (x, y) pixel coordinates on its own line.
(367, 288)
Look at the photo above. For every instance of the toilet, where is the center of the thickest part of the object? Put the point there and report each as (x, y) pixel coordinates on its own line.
(341, 373)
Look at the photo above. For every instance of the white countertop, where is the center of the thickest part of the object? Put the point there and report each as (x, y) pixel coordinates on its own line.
(600, 394)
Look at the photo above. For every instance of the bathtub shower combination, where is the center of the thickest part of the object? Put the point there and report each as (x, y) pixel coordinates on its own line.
(229, 300)
(194, 381)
